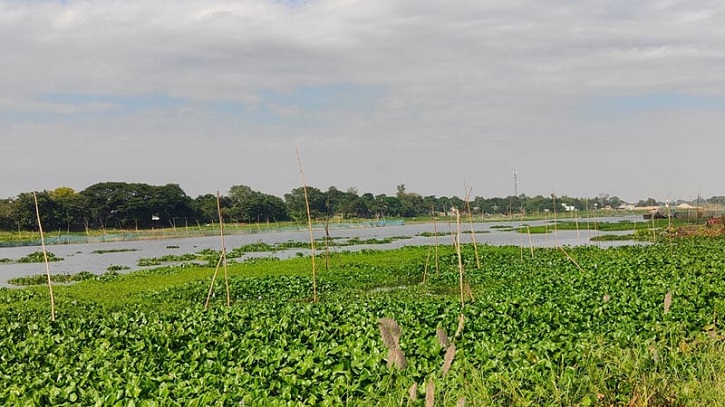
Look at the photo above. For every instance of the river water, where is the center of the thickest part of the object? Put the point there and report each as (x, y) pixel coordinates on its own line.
(82, 257)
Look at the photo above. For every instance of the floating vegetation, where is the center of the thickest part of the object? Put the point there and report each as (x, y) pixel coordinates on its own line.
(40, 279)
(38, 257)
(113, 251)
(116, 267)
(612, 238)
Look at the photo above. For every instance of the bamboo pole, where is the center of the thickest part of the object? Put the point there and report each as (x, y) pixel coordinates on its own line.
(531, 243)
(224, 248)
(470, 222)
(425, 269)
(460, 258)
(521, 247)
(222, 260)
(309, 227)
(327, 240)
(211, 286)
(571, 259)
(589, 231)
(435, 237)
(556, 237)
(45, 258)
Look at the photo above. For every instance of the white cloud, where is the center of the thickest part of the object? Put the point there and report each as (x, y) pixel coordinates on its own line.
(470, 84)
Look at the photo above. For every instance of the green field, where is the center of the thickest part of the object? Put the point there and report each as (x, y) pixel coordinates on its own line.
(589, 329)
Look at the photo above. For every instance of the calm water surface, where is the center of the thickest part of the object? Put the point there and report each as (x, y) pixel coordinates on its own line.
(81, 257)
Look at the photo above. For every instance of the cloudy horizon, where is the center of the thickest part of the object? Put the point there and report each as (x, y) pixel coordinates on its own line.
(581, 98)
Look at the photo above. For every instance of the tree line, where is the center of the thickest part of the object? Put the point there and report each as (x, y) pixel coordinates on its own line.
(136, 205)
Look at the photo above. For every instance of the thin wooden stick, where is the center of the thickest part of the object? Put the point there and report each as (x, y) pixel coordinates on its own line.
(460, 258)
(309, 227)
(531, 243)
(556, 238)
(45, 258)
(571, 259)
(211, 286)
(470, 222)
(222, 258)
(589, 231)
(435, 237)
(425, 270)
(327, 241)
(224, 248)
(521, 247)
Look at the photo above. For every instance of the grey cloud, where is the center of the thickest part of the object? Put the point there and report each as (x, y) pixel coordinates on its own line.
(502, 79)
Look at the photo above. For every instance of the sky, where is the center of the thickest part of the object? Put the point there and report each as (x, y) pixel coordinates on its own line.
(579, 98)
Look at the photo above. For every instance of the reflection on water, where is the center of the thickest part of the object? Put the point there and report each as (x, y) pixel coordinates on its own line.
(81, 257)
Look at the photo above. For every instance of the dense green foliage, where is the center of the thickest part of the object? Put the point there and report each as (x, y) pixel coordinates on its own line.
(121, 205)
(540, 331)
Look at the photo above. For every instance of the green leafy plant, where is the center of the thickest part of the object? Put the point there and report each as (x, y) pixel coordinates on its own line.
(38, 257)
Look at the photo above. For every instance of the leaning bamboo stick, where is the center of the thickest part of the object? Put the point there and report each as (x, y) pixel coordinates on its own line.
(309, 227)
(425, 269)
(571, 259)
(45, 258)
(213, 280)
(222, 258)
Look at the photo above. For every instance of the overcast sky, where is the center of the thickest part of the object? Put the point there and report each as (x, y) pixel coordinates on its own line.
(580, 97)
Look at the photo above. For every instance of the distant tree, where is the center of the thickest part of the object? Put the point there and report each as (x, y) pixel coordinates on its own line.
(253, 206)
(170, 204)
(716, 200)
(23, 211)
(346, 204)
(410, 204)
(368, 200)
(124, 205)
(62, 192)
(295, 202)
(647, 202)
(70, 206)
(457, 202)
(7, 222)
(430, 202)
(615, 202)
(539, 203)
(335, 202)
(205, 208)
